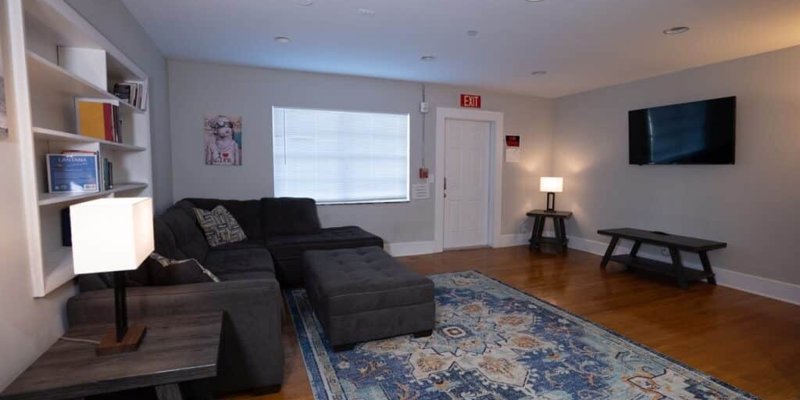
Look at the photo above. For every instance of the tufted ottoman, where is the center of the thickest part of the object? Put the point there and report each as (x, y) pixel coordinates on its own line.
(364, 294)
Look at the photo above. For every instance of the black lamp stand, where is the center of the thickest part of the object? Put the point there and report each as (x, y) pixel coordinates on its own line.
(551, 202)
(122, 339)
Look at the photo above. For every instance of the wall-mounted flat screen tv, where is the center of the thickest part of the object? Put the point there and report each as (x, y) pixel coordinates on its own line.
(701, 132)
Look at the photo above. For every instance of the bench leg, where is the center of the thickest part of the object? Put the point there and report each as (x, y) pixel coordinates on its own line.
(677, 265)
(707, 268)
(635, 248)
(609, 251)
(169, 392)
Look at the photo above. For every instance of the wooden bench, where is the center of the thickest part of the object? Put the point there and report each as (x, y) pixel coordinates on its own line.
(674, 243)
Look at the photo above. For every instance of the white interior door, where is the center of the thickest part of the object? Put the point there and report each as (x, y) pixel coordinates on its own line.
(466, 202)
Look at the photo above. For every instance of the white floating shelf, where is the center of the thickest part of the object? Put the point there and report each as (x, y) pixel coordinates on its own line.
(47, 199)
(43, 72)
(54, 135)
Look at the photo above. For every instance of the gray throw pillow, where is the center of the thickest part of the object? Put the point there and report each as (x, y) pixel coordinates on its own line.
(219, 226)
(166, 271)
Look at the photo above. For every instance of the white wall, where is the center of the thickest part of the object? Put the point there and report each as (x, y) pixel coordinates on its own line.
(197, 89)
(118, 25)
(31, 325)
(753, 205)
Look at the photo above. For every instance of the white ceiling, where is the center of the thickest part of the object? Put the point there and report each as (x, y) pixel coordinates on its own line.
(583, 44)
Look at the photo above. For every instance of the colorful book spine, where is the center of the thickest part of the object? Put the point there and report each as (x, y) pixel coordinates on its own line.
(98, 119)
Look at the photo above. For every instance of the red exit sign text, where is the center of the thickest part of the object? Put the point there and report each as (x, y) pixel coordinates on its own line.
(470, 101)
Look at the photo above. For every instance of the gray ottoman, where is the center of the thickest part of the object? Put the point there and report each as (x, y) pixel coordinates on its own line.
(364, 294)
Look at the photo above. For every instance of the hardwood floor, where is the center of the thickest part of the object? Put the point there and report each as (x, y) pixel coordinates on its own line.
(749, 341)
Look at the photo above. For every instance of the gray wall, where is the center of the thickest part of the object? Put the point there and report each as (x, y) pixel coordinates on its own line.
(118, 25)
(752, 205)
(197, 89)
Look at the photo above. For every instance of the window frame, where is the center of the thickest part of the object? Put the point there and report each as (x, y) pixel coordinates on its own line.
(407, 191)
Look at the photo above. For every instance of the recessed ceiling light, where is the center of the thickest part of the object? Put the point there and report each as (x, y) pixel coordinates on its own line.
(676, 30)
(538, 73)
(472, 33)
(303, 3)
(282, 39)
(428, 58)
(366, 12)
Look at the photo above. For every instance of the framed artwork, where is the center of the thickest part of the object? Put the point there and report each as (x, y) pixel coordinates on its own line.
(222, 139)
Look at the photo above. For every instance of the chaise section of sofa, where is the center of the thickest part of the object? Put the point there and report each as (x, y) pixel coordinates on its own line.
(286, 227)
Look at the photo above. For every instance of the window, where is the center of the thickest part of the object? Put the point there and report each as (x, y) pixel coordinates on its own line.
(340, 157)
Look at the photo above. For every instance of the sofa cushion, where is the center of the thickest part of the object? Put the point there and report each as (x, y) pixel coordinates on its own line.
(246, 212)
(287, 250)
(349, 281)
(135, 278)
(188, 236)
(247, 244)
(246, 276)
(219, 226)
(165, 241)
(221, 262)
(289, 216)
(293, 246)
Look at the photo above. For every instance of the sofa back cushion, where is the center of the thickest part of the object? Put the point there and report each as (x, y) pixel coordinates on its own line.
(246, 212)
(289, 216)
(165, 242)
(189, 238)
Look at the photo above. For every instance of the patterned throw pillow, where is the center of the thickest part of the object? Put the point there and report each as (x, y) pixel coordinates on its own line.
(220, 226)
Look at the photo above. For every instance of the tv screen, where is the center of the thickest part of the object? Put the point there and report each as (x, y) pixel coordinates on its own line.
(701, 132)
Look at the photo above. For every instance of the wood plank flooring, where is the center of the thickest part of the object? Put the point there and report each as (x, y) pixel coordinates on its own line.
(749, 341)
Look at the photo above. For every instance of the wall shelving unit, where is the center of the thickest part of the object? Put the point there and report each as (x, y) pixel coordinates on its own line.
(42, 113)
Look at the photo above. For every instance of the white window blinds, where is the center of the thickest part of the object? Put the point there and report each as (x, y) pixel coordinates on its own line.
(340, 157)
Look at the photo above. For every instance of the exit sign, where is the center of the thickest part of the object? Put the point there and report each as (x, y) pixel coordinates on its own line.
(470, 101)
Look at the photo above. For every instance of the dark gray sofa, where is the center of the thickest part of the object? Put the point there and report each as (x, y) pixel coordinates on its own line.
(279, 230)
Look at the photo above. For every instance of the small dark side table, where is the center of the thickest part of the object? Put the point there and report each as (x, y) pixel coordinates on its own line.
(537, 238)
(175, 349)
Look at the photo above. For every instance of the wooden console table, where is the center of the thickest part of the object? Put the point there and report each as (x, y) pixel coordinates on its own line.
(674, 243)
(537, 237)
(175, 349)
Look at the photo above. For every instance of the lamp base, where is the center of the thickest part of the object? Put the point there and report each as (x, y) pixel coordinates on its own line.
(130, 342)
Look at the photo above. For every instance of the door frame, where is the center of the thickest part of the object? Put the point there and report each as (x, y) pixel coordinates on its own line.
(495, 170)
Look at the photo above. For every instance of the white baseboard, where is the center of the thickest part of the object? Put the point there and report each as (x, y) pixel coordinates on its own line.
(410, 248)
(783, 291)
(513, 239)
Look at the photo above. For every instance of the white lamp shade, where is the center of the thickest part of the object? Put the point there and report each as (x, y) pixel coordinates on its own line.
(113, 234)
(551, 184)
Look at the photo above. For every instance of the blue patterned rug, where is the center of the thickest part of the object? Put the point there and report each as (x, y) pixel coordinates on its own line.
(494, 342)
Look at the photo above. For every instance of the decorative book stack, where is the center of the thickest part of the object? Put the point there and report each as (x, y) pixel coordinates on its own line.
(99, 119)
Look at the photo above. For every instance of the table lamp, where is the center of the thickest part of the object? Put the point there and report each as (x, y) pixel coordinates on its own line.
(551, 185)
(113, 235)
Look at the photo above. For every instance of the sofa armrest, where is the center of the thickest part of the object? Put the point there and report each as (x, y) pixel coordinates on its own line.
(252, 351)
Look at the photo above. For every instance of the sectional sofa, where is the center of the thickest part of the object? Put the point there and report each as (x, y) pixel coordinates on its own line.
(251, 275)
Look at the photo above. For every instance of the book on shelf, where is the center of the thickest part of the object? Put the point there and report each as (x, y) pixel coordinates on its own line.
(73, 172)
(133, 92)
(99, 119)
(108, 175)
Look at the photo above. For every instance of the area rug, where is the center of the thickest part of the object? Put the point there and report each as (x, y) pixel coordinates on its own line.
(494, 342)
